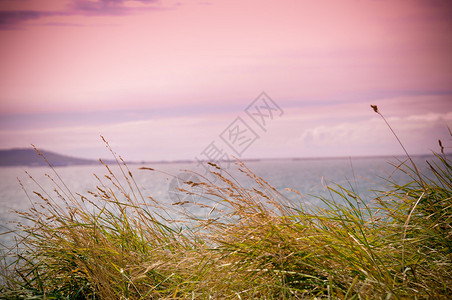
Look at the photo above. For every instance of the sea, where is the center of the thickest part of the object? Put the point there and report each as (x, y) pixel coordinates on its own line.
(366, 176)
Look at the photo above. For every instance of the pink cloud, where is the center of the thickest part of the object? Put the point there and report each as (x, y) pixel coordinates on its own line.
(12, 18)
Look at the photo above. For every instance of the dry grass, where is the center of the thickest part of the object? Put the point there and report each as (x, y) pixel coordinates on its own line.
(116, 244)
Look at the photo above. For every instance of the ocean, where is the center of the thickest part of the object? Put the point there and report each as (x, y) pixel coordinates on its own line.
(309, 177)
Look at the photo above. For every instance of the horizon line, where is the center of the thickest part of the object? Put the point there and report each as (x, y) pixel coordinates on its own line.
(174, 161)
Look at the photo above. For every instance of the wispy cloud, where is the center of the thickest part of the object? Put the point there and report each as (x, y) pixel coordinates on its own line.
(11, 19)
(107, 7)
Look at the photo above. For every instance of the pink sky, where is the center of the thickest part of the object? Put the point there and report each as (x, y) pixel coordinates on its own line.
(163, 79)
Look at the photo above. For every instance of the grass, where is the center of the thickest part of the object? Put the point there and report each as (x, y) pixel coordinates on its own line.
(114, 243)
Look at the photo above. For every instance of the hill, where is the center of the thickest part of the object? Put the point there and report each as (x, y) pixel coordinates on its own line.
(29, 157)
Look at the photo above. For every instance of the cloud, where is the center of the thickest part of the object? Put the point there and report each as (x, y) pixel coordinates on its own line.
(106, 7)
(373, 137)
(153, 139)
(14, 19)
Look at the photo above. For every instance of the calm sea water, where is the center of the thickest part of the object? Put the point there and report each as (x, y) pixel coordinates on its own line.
(309, 177)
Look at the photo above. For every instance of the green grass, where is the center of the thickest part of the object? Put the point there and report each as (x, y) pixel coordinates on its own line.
(116, 244)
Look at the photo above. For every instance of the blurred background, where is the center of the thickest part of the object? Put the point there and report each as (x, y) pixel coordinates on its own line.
(162, 80)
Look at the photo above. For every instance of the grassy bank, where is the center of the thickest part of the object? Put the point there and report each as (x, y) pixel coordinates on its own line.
(116, 244)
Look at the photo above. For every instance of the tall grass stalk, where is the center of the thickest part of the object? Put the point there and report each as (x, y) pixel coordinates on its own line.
(375, 108)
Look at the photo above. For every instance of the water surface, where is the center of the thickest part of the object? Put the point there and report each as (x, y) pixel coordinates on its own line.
(309, 177)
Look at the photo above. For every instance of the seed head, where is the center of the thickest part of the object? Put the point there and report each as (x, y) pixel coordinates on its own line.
(441, 146)
(375, 108)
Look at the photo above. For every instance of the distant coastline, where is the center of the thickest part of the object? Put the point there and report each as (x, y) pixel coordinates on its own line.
(29, 157)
